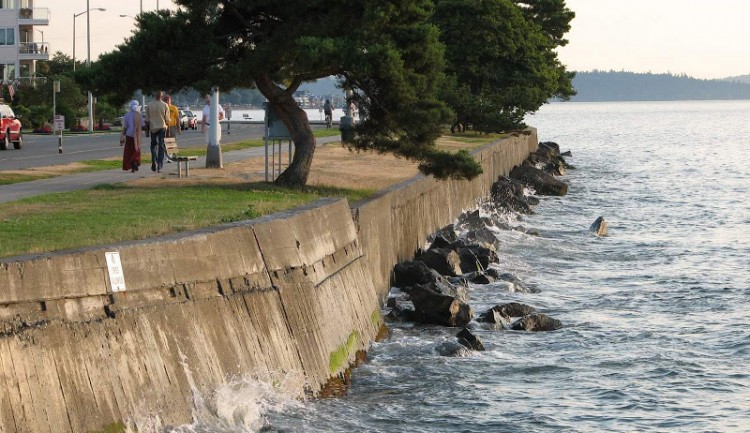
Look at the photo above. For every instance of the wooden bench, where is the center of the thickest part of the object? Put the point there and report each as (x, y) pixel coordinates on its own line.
(171, 144)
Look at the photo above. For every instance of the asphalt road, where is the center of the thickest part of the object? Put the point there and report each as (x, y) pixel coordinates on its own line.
(42, 150)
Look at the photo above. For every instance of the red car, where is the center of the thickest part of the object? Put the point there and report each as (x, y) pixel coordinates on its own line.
(10, 128)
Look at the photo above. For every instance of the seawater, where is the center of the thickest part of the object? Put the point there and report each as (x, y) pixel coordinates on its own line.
(657, 330)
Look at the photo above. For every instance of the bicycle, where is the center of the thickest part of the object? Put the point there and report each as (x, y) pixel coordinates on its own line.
(329, 120)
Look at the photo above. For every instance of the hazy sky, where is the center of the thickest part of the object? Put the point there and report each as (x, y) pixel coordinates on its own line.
(704, 39)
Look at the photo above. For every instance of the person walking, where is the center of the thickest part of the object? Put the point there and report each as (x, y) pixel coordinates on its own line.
(205, 120)
(328, 110)
(157, 119)
(173, 129)
(131, 138)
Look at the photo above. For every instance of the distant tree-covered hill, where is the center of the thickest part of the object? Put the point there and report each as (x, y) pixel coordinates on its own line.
(631, 86)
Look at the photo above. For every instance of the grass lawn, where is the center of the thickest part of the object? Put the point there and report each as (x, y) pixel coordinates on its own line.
(112, 213)
(121, 212)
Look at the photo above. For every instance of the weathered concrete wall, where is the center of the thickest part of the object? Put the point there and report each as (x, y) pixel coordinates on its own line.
(395, 223)
(276, 296)
(292, 295)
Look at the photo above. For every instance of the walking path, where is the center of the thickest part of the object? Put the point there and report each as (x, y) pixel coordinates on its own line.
(72, 182)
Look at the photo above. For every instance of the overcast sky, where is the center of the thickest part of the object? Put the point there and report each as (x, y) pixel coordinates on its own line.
(704, 39)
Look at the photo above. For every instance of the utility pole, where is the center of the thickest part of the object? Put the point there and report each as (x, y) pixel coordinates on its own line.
(213, 153)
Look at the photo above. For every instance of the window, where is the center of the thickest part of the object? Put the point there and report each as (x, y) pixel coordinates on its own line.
(7, 72)
(7, 4)
(7, 36)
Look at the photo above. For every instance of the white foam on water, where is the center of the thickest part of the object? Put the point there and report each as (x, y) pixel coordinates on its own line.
(240, 405)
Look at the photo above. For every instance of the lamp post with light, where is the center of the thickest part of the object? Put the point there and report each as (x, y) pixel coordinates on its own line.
(74, 31)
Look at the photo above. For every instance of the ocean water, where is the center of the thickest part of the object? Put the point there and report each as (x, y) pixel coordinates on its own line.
(313, 115)
(657, 329)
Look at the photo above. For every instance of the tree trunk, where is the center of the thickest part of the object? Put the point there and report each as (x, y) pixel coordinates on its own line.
(295, 120)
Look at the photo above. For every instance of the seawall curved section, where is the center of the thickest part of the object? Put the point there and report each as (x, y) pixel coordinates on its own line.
(288, 298)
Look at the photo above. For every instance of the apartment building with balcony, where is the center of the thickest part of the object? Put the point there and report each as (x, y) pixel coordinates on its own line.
(22, 40)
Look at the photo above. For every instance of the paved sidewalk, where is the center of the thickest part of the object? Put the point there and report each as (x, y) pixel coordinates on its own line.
(78, 181)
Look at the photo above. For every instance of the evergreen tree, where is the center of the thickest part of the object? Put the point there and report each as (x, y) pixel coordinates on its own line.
(386, 52)
(501, 60)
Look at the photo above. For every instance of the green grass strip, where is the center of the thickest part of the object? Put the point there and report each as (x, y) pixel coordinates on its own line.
(113, 213)
(7, 178)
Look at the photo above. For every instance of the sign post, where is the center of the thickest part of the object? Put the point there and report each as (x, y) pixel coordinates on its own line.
(59, 124)
(116, 275)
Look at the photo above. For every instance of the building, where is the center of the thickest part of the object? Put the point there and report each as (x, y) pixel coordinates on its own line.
(21, 40)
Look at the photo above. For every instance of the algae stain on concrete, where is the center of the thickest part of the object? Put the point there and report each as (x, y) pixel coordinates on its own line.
(117, 427)
(376, 318)
(339, 357)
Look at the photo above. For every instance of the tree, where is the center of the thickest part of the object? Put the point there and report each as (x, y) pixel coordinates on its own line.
(35, 102)
(386, 52)
(506, 65)
(59, 64)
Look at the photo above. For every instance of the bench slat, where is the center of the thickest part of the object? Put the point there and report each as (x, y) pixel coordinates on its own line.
(171, 144)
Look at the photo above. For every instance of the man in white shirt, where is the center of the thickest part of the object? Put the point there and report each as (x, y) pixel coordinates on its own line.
(205, 121)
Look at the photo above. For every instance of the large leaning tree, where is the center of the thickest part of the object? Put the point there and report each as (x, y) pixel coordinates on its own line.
(386, 51)
(501, 59)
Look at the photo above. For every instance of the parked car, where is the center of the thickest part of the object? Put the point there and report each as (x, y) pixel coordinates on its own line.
(188, 120)
(10, 128)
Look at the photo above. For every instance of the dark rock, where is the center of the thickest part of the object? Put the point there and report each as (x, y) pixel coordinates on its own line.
(551, 146)
(554, 166)
(481, 278)
(446, 287)
(513, 309)
(482, 235)
(535, 323)
(466, 338)
(452, 349)
(476, 258)
(599, 227)
(444, 260)
(439, 309)
(401, 307)
(448, 233)
(566, 153)
(494, 318)
(508, 194)
(473, 220)
(516, 285)
(532, 201)
(543, 183)
(406, 274)
(440, 242)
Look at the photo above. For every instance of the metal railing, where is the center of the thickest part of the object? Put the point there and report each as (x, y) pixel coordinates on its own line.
(33, 48)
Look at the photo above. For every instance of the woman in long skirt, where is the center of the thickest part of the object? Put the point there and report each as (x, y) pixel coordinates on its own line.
(131, 138)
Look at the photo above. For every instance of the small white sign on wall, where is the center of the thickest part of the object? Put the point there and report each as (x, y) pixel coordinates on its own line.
(116, 276)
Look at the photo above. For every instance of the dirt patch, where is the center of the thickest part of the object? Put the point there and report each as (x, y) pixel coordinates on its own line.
(332, 166)
(51, 170)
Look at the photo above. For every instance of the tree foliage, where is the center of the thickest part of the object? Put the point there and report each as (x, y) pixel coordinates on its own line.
(386, 52)
(501, 60)
(407, 63)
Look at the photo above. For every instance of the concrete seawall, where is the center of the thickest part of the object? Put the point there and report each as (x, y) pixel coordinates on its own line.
(288, 298)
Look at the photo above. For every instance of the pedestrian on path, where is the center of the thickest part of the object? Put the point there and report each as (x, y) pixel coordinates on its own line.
(157, 118)
(173, 129)
(131, 138)
(205, 120)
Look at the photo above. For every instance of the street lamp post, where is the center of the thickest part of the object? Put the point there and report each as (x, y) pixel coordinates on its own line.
(74, 31)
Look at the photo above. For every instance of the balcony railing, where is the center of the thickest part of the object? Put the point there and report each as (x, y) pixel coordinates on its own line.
(41, 48)
(31, 81)
(35, 14)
